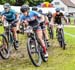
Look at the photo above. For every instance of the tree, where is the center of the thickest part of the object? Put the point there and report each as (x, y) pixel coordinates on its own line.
(21, 2)
(12, 2)
(36, 2)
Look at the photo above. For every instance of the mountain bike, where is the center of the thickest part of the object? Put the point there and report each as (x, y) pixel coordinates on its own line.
(9, 35)
(60, 36)
(50, 30)
(34, 48)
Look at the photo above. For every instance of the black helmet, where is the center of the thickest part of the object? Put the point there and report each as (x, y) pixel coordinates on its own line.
(24, 8)
(6, 5)
(34, 8)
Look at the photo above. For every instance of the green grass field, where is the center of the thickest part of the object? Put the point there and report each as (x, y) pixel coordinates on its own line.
(59, 59)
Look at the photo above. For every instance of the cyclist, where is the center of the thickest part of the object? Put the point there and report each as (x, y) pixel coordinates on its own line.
(44, 26)
(57, 18)
(34, 8)
(9, 15)
(32, 17)
(49, 15)
(50, 26)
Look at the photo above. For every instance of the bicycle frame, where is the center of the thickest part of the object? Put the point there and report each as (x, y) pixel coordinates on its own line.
(9, 34)
(60, 36)
(58, 30)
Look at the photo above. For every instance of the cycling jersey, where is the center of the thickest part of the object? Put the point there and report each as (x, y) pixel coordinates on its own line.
(57, 18)
(30, 18)
(10, 16)
(49, 16)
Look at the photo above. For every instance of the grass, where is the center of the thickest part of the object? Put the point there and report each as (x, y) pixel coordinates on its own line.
(58, 59)
(70, 30)
(72, 20)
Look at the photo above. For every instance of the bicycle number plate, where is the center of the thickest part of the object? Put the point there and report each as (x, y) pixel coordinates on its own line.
(5, 24)
(29, 31)
(60, 26)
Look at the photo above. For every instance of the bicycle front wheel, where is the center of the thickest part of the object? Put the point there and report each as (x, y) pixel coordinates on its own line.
(4, 47)
(61, 41)
(34, 52)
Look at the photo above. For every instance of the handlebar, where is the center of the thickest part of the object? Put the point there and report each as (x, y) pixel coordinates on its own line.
(7, 24)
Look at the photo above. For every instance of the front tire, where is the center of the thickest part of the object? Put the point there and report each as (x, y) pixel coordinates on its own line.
(61, 39)
(35, 60)
(4, 52)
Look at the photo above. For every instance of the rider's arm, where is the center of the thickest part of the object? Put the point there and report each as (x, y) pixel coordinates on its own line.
(16, 14)
(2, 16)
(22, 20)
(52, 19)
(46, 20)
(18, 24)
(64, 17)
(17, 18)
(39, 16)
(42, 18)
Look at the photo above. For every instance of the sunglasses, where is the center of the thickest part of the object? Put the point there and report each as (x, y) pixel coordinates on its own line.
(5, 8)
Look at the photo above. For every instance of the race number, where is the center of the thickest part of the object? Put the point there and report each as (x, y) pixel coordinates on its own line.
(5, 24)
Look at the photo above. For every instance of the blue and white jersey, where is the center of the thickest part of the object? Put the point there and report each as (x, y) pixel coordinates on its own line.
(30, 17)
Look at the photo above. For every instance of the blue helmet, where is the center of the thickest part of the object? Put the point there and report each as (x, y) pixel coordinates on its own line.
(40, 11)
(6, 5)
(57, 9)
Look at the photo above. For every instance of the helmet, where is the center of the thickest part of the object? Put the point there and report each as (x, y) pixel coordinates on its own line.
(6, 5)
(24, 8)
(34, 8)
(40, 11)
(57, 9)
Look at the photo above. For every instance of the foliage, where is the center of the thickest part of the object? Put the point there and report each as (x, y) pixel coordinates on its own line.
(20, 2)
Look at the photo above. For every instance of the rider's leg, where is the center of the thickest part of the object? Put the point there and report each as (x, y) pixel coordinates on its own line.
(40, 37)
(18, 25)
(51, 25)
(46, 34)
(3, 18)
(14, 29)
(44, 28)
(14, 33)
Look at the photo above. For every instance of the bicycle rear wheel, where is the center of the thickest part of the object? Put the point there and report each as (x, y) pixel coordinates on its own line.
(34, 52)
(4, 52)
